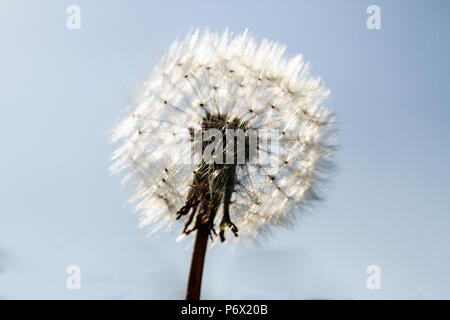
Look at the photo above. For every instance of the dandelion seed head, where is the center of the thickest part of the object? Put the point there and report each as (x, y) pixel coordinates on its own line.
(233, 82)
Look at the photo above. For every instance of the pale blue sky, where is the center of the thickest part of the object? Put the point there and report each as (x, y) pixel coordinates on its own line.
(388, 204)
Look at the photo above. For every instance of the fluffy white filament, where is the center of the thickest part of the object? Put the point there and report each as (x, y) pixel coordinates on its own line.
(234, 76)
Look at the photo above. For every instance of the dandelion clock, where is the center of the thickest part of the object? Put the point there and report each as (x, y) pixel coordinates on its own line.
(228, 136)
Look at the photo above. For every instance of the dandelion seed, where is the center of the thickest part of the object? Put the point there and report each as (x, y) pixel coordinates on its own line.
(211, 83)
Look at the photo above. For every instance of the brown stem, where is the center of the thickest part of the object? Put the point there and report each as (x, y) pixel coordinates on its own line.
(198, 259)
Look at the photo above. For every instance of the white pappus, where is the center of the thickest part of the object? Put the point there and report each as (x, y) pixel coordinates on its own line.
(225, 81)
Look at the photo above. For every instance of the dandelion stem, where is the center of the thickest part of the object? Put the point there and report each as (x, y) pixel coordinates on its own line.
(198, 259)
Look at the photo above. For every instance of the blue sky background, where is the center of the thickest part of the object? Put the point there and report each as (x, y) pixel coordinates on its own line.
(388, 204)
